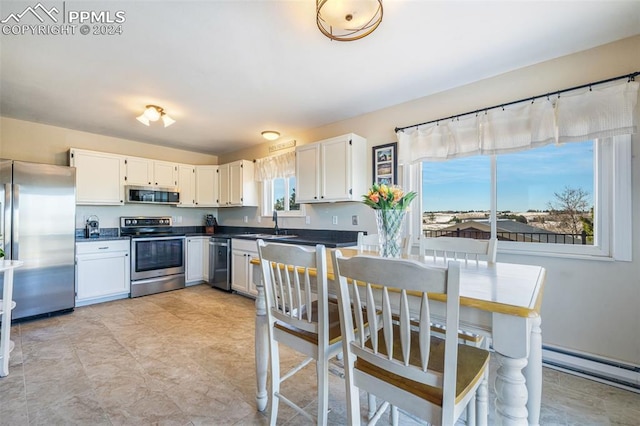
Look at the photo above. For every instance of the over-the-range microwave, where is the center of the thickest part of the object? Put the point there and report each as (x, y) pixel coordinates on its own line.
(152, 195)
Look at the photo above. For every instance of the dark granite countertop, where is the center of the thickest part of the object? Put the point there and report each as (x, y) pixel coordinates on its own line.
(309, 237)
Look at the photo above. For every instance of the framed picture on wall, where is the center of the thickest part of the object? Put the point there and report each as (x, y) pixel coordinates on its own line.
(385, 164)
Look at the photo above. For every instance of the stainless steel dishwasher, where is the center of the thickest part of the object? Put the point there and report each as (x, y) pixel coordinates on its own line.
(220, 263)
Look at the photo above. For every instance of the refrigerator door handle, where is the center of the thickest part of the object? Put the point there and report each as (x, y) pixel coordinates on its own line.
(15, 243)
(6, 221)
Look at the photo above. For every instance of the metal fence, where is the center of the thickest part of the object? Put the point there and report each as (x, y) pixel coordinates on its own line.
(529, 237)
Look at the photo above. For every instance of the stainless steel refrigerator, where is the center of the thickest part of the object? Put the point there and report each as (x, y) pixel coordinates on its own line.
(37, 222)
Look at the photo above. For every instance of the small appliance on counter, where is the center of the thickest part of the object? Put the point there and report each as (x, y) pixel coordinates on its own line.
(92, 228)
(210, 224)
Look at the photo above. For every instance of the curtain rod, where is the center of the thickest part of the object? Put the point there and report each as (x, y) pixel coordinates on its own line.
(630, 77)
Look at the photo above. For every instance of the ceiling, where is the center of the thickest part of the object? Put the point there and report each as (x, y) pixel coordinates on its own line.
(226, 70)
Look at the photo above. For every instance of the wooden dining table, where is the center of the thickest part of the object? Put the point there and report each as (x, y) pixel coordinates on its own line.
(499, 300)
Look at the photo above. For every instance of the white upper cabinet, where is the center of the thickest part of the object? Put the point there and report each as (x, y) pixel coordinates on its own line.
(206, 188)
(237, 186)
(187, 185)
(332, 170)
(145, 172)
(99, 177)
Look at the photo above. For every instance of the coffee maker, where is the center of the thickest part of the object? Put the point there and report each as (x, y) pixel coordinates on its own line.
(92, 228)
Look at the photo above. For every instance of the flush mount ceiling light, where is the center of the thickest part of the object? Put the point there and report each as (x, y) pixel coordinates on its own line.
(348, 20)
(270, 135)
(154, 113)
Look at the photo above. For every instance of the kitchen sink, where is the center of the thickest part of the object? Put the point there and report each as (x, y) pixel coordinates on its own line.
(270, 236)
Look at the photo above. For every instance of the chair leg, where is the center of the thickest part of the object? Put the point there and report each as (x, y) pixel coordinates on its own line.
(371, 401)
(471, 411)
(275, 381)
(322, 372)
(395, 416)
(353, 393)
(482, 401)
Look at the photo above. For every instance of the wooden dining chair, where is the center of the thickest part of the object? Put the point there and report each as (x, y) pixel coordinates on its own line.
(394, 355)
(368, 242)
(466, 250)
(458, 248)
(371, 242)
(299, 315)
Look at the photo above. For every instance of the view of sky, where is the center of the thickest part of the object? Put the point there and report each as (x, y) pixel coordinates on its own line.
(526, 180)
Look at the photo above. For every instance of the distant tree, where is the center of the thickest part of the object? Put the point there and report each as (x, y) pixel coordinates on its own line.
(292, 201)
(431, 216)
(569, 207)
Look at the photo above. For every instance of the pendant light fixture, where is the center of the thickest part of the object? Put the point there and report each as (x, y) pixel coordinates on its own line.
(154, 113)
(348, 20)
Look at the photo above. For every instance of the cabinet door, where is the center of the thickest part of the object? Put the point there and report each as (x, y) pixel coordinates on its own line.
(101, 275)
(223, 185)
(139, 171)
(239, 271)
(99, 177)
(195, 261)
(206, 186)
(236, 183)
(165, 174)
(205, 258)
(186, 185)
(307, 179)
(335, 171)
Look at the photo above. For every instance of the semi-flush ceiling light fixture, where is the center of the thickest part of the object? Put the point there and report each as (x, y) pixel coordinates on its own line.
(270, 135)
(348, 20)
(154, 113)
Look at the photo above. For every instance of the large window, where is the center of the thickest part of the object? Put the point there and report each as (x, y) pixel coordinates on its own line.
(280, 194)
(556, 198)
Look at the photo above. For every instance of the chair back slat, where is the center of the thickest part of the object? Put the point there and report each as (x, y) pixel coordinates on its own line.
(405, 326)
(424, 334)
(372, 316)
(387, 323)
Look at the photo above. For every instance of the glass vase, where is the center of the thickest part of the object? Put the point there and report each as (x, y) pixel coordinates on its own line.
(389, 229)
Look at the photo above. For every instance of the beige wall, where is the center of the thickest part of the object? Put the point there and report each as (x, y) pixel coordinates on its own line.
(41, 143)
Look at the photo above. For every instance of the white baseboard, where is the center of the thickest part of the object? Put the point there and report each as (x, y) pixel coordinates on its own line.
(611, 372)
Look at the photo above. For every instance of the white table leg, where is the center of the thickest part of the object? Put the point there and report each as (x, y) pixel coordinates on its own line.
(533, 372)
(511, 391)
(511, 341)
(262, 353)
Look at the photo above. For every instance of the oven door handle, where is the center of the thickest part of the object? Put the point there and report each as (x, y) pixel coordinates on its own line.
(182, 237)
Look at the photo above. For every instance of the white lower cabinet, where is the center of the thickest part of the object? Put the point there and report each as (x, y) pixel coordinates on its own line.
(197, 264)
(242, 251)
(102, 271)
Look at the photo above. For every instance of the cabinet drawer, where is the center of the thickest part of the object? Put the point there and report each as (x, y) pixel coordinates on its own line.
(247, 245)
(102, 246)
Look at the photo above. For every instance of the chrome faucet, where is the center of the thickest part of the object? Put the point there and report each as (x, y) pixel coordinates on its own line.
(275, 219)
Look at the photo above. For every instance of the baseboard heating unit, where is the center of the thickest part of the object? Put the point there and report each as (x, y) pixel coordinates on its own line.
(611, 372)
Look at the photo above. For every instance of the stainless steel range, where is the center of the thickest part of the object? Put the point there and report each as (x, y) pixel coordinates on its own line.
(157, 254)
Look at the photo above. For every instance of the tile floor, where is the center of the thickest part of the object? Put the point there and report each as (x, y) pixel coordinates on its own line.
(186, 357)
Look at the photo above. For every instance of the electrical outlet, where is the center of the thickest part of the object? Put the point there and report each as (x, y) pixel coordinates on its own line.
(354, 219)
(259, 219)
(246, 219)
(307, 220)
(335, 220)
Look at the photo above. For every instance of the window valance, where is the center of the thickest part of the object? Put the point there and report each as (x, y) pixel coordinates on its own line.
(277, 166)
(585, 114)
